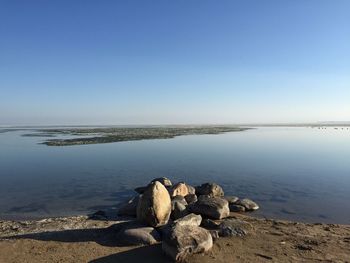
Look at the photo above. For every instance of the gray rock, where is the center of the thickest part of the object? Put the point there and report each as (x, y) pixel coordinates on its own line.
(178, 210)
(179, 199)
(137, 234)
(191, 198)
(186, 240)
(248, 204)
(236, 208)
(232, 232)
(154, 206)
(163, 180)
(189, 220)
(200, 197)
(234, 222)
(165, 229)
(215, 208)
(231, 199)
(209, 223)
(129, 208)
(178, 207)
(233, 227)
(211, 189)
(191, 189)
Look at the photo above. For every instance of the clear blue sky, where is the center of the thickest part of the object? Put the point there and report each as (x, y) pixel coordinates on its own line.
(183, 61)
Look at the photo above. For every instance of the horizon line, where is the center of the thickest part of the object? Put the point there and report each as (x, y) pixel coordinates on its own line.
(329, 123)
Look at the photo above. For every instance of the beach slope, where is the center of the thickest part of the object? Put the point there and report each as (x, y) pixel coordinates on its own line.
(80, 239)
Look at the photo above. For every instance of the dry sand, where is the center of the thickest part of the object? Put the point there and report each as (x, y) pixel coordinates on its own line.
(79, 239)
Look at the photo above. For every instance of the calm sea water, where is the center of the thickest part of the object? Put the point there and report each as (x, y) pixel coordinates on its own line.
(293, 173)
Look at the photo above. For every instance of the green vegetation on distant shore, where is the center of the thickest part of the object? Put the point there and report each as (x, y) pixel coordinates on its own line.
(113, 134)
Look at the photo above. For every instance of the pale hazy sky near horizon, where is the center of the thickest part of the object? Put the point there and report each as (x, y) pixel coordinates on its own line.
(174, 62)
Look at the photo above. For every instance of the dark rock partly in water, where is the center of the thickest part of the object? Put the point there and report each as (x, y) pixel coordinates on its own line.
(248, 204)
(191, 198)
(154, 206)
(99, 215)
(140, 189)
(186, 240)
(137, 234)
(215, 207)
(211, 189)
(163, 180)
(236, 208)
(189, 220)
(129, 208)
(179, 189)
(231, 199)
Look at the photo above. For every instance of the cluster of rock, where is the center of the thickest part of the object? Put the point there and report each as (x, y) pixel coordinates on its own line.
(186, 219)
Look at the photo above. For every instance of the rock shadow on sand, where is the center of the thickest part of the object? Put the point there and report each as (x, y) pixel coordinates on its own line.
(102, 236)
(145, 254)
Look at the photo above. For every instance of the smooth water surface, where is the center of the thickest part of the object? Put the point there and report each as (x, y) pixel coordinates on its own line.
(293, 173)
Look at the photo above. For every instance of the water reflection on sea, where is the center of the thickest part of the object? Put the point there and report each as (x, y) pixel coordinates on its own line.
(293, 173)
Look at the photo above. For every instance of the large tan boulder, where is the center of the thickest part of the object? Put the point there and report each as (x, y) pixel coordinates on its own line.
(154, 206)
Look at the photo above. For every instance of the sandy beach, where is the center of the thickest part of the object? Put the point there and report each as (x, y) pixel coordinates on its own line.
(80, 239)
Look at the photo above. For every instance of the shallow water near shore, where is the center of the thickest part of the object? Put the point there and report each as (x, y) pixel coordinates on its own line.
(294, 173)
